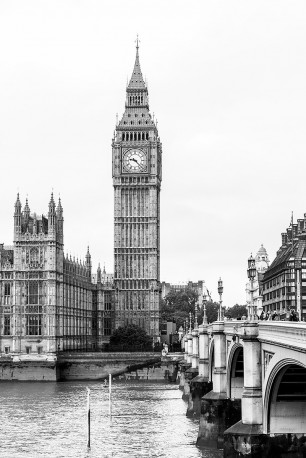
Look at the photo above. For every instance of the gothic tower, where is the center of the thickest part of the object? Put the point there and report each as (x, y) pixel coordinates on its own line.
(137, 174)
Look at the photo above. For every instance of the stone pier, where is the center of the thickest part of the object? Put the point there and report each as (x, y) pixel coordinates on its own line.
(218, 412)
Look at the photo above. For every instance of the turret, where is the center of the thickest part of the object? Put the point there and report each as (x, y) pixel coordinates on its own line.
(17, 216)
(52, 216)
(99, 274)
(88, 260)
(60, 221)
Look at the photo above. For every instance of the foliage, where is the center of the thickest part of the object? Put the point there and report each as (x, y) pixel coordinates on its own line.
(132, 335)
(237, 311)
(177, 306)
(212, 309)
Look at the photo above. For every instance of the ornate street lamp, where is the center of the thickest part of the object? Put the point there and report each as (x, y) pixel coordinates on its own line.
(195, 326)
(204, 301)
(252, 312)
(220, 292)
(190, 318)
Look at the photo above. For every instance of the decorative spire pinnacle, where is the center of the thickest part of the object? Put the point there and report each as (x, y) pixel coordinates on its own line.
(137, 81)
(26, 209)
(18, 203)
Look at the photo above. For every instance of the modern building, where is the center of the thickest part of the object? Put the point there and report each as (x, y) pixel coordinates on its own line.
(199, 287)
(284, 283)
(262, 264)
(48, 301)
(137, 175)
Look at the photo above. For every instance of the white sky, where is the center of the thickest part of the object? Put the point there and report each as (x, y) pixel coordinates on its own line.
(227, 85)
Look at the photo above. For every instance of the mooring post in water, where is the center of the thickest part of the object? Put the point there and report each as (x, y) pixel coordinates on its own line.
(110, 394)
(88, 417)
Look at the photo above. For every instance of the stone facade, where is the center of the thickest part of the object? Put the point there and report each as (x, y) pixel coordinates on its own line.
(137, 174)
(262, 264)
(284, 283)
(199, 287)
(48, 302)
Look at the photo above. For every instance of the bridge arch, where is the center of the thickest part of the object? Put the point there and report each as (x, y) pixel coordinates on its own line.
(285, 398)
(211, 360)
(235, 371)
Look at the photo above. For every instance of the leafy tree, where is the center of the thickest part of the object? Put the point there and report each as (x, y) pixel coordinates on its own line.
(212, 309)
(177, 305)
(237, 311)
(132, 335)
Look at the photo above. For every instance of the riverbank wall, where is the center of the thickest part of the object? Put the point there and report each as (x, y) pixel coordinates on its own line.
(89, 366)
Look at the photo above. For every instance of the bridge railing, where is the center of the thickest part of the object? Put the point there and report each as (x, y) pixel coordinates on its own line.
(288, 333)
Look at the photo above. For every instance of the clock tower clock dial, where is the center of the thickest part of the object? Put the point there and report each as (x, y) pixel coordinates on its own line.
(137, 154)
(135, 161)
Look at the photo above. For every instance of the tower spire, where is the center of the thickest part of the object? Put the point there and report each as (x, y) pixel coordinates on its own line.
(137, 81)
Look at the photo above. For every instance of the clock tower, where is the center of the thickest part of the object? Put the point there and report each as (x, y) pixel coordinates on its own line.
(137, 174)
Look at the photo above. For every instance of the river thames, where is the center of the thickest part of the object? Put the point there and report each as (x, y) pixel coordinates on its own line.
(50, 420)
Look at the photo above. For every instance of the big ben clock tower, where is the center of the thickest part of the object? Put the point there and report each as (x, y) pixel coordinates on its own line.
(137, 174)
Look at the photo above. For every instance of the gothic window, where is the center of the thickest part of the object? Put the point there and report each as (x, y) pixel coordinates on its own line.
(33, 325)
(34, 292)
(34, 257)
(7, 325)
(7, 289)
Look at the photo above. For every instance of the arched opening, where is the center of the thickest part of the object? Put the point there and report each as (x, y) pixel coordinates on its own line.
(143, 135)
(123, 136)
(236, 374)
(139, 136)
(287, 402)
(147, 136)
(127, 136)
(211, 362)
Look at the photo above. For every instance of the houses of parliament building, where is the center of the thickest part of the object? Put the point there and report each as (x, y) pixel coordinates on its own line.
(50, 302)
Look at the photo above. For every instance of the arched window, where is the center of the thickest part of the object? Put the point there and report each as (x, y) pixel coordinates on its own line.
(139, 136)
(147, 136)
(143, 136)
(123, 137)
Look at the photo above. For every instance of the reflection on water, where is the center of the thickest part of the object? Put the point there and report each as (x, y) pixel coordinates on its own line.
(50, 420)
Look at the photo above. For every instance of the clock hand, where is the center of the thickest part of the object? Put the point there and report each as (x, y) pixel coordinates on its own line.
(133, 159)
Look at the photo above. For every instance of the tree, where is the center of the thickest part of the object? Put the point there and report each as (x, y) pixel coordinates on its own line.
(177, 305)
(212, 309)
(131, 335)
(237, 311)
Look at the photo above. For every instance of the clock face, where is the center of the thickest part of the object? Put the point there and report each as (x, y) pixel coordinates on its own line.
(135, 161)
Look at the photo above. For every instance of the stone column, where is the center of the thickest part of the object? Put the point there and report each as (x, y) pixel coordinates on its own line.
(195, 349)
(218, 412)
(185, 347)
(189, 347)
(220, 357)
(252, 394)
(247, 433)
(199, 385)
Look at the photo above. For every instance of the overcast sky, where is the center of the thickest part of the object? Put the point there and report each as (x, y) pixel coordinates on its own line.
(227, 85)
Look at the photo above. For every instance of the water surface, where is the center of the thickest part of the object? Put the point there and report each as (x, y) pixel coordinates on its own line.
(50, 420)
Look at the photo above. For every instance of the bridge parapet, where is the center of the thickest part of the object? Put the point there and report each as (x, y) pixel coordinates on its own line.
(284, 334)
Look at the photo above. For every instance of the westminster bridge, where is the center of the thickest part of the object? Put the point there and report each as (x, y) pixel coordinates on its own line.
(247, 382)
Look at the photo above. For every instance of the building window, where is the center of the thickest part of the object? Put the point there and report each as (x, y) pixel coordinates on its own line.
(7, 350)
(39, 350)
(33, 325)
(107, 326)
(34, 292)
(7, 325)
(28, 350)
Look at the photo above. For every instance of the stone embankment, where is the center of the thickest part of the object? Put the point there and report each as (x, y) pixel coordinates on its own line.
(89, 366)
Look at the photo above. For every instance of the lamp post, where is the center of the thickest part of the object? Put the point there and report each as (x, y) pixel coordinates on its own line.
(195, 326)
(220, 292)
(252, 312)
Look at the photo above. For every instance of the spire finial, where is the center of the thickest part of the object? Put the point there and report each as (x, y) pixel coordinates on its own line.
(137, 41)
